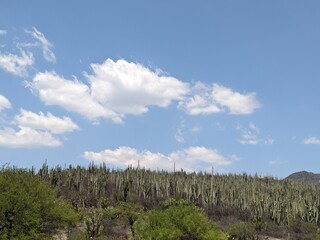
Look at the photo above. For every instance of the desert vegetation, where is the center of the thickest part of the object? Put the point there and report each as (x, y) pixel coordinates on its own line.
(96, 202)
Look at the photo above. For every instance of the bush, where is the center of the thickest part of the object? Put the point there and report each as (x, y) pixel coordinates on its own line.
(241, 231)
(29, 208)
(177, 222)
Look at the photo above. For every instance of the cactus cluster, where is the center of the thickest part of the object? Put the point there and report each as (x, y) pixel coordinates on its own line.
(266, 198)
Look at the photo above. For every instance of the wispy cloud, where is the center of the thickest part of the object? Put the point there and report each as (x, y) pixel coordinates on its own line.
(16, 64)
(115, 90)
(277, 162)
(209, 99)
(195, 129)
(179, 135)
(251, 136)
(45, 44)
(4, 103)
(129, 88)
(190, 159)
(200, 101)
(311, 141)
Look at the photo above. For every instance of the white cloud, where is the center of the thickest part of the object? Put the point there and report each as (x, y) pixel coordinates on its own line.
(3, 32)
(311, 140)
(209, 99)
(71, 95)
(27, 138)
(36, 130)
(118, 88)
(182, 132)
(235, 102)
(251, 136)
(4, 103)
(200, 101)
(115, 89)
(44, 43)
(44, 122)
(129, 88)
(277, 162)
(16, 64)
(195, 129)
(190, 159)
(179, 135)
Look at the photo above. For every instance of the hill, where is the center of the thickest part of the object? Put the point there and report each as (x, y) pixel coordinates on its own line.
(118, 203)
(305, 177)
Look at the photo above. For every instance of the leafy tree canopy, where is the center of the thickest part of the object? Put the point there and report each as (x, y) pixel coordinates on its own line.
(29, 208)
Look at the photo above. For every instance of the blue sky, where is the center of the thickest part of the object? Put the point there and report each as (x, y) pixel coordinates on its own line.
(232, 85)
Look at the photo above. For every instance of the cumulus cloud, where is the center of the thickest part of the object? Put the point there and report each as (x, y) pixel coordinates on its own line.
(4, 103)
(36, 130)
(71, 95)
(44, 122)
(3, 32)
(27, 138)
(311, 140)
(115, 89)
(45, 44)
(235, 102)
(194, 156)
(119, 88)
(129, 88)
(190, 159)
(251, 136)
(215, 98)
(16, 64)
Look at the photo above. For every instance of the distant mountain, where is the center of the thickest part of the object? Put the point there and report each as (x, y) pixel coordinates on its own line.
(305, 177)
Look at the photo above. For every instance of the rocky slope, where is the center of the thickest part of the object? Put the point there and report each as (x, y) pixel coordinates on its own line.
(305, 177)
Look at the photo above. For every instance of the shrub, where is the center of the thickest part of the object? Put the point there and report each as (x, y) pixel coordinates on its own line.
(29, 208)
(177, 222)
(241, 231)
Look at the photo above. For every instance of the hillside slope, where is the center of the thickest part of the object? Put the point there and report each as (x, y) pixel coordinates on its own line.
(305, 177)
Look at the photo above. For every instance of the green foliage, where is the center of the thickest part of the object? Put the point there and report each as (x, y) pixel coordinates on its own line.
(93, 222)
(156, 225)
(265, 198)
(175, 202)
(241, 231)
(129, 211)
(176, 222)
(269, 203)
(29, 207)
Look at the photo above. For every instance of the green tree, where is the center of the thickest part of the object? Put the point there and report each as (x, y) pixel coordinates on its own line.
(178, 221)
(29, 208)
